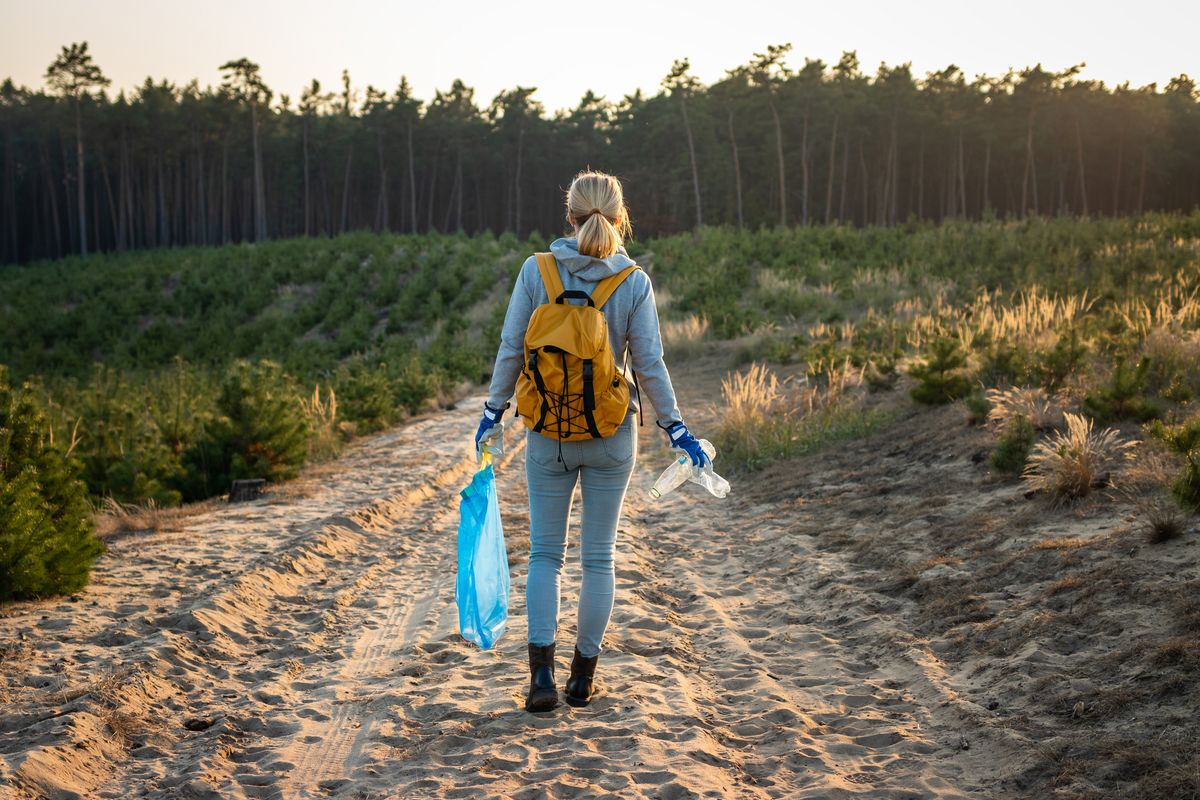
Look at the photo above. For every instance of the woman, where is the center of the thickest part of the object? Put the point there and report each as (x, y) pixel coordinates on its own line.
(596, 211)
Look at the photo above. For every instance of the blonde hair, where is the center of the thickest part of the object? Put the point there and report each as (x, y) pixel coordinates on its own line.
(596, 207)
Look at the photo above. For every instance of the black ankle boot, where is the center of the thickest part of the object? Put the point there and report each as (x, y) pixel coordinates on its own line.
(579, 685)
(543, 694)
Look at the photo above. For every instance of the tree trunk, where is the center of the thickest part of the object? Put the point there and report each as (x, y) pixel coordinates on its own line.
(12, 243)
(737, 172)
(108, 192)
(458, 186)
(83, 239)
(346, 190)
(1082, 182)
(885, 187)
(962, 178)
(1116, 193)
(127, 211)
(381, 204)
(260, 203)
(163, 223)
(1029, 176)
(921, 179)
(517, 180)
(986, 201)
(804, 170)
(412, 179)
(949, 194)
(865, 186)
(201, 197)
(845, 180)
(429, 203)
(779, 157)
(307, 200)
(1142, 184)
(225, 213)
(53, 237)
(687, 128)
(829, 182)
(894, 160)
(70, 210)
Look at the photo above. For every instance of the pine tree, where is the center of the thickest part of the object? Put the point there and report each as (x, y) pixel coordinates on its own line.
(46, 541)
(940, 374)
(1184, 440)
(259, 432)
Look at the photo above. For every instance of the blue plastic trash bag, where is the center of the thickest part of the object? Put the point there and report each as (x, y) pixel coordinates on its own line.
(482, 587)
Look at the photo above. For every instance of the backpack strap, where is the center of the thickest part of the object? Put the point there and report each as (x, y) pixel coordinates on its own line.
(606, 287)
(549, 269)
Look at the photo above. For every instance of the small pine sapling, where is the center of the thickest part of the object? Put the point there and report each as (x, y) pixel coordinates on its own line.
(1123, 397)
(941, 374)
(1183, 440)
(1011, 452)
(978, 405)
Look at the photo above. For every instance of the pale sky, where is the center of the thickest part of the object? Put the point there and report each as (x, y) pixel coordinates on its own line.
(610, 46)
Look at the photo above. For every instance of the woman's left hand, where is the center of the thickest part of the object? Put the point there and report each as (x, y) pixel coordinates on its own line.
(682, 438)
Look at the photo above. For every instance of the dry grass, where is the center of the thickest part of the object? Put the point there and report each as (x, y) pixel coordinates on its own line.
(1065, 543)
(767, 419)
(1145, 487)
(1042, 410)
(1070, 463)
(685, 338)
(1174, 306)
(114, 519)
(328, 437)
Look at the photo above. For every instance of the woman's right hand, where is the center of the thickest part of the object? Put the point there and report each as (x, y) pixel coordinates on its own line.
(487, 427)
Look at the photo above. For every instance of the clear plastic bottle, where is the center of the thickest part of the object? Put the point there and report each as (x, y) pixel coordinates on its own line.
(672, 478)
(681, 471)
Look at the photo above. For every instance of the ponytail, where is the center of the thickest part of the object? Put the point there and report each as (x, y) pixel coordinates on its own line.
(596, 206)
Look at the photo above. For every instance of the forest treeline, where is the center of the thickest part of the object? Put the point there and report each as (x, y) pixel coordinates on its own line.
(86, 169)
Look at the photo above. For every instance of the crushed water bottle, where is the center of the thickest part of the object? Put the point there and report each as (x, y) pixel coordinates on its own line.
(682, 471)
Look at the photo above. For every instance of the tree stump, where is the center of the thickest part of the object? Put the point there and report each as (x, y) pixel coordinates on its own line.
(244, 490)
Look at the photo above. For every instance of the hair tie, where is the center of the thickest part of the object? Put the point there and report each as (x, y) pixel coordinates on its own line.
(594, 211)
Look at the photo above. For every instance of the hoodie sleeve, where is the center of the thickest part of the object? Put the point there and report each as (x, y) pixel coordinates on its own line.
(646, 349)
(512, 337)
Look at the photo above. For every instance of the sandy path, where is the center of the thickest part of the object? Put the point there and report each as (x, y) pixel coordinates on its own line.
(317, 636)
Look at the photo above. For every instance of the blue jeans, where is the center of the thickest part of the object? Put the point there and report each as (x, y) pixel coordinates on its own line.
(603, 466)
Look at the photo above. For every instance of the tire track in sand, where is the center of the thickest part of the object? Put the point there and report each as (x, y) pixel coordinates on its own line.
(416, 597)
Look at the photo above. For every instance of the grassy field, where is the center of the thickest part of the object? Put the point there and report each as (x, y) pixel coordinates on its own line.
(139, 357)
(149, 363)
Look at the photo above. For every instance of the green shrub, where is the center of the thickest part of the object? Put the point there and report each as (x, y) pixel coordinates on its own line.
(124, 453)
(1012, 450)
(365, 396)
(978, 405)
(1052, 367)
(46, 541)
(1123, 397)
(259, 431)
(1184, 440)
(941, 374)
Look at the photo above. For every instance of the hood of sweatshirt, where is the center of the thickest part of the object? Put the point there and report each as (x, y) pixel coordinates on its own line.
(589, 268)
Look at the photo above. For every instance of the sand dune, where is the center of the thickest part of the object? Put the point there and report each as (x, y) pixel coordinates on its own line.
(305, 645)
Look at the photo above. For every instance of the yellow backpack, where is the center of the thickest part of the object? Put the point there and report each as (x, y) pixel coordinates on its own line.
(570, 387)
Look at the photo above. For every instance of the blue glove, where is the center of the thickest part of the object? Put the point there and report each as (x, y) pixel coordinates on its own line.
(682, 438)
(491, 417)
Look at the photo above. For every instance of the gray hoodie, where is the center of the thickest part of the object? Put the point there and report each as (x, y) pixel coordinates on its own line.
(630, 312)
